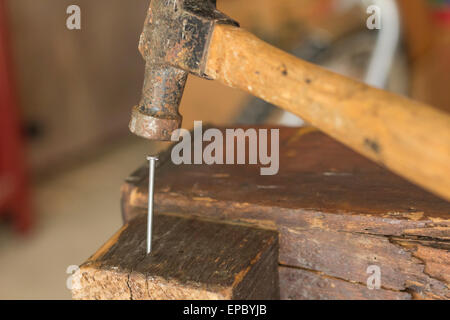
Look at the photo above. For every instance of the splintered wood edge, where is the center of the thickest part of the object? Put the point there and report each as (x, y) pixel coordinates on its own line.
(88, 274)
(119, 285)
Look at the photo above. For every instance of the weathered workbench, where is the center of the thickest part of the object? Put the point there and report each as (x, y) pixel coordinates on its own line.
(335, 212)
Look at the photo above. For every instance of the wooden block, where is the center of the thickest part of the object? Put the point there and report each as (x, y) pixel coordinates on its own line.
(337, 213)
(191, 259)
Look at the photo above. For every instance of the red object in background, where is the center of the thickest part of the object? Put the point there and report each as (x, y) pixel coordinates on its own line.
(14, 188)
(441, 15)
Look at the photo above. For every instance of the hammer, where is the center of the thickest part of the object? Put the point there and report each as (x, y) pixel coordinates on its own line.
(191, 36)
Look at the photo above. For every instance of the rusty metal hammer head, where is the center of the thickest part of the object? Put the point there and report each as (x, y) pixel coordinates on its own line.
(174, 43)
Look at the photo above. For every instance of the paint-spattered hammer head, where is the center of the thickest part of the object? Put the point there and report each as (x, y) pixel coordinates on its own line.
(174, 43)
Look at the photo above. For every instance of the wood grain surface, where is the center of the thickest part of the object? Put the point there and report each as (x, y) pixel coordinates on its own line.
(336, 212)
(191, 259)
(300, 284)
(408, 137)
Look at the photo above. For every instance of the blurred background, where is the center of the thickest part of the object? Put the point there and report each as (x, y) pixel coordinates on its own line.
(66, 96)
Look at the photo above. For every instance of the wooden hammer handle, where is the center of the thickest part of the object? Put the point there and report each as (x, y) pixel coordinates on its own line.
(408, 137)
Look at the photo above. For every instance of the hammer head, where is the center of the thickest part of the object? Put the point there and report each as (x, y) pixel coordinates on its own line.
(174, 43)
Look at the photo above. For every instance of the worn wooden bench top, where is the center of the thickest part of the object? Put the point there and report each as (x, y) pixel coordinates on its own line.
(337, 213)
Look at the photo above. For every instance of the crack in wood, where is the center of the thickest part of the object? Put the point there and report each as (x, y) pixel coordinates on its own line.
(322, 274)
